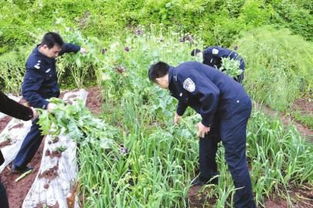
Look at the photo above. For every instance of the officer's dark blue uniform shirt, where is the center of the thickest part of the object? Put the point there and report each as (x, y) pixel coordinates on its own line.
(40, 81)
(207, 90)
(212, 56)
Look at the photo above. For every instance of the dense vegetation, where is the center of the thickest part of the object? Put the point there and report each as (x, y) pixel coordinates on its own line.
(218, 22)
(123, 38)
(163, 158)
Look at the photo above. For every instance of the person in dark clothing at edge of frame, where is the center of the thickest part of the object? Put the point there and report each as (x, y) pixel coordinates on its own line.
(225, 109)
(212, 56)
(40, 83)
(16, 110)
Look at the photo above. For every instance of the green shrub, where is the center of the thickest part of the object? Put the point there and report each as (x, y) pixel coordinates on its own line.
(218, 22)
(12, 67)
(279, 66)
(79, 69)
(295, 15)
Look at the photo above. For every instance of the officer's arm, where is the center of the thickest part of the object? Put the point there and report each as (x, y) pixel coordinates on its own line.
(32, 82)
(181, 108)
(69, 47)
(231, 54)
(207, 93)
(208, 57)
(212, 57)
(14, 109)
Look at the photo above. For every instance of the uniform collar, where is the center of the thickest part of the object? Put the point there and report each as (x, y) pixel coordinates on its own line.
(174, 88)
(41, 55)
(172, 78)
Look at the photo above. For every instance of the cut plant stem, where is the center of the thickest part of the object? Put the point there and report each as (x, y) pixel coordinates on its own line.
(23, 175)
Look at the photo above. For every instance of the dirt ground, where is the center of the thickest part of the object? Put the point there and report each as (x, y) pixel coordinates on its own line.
(301, 197)
(306, 107)
(94, 100)
(17, 191)
(199, 197)
(4, 121)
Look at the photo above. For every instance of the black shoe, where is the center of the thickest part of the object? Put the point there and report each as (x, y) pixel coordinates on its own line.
(15, 169)
(199, 181)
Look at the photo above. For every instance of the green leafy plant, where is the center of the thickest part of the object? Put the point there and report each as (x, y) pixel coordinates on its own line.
(77, 122)
(80, 67)
(231, 67)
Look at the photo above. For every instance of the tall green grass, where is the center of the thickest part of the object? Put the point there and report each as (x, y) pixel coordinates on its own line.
(12, 67)
(279, 157)
(279, 66)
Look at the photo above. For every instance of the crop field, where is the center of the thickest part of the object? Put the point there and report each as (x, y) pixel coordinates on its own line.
(128, 152)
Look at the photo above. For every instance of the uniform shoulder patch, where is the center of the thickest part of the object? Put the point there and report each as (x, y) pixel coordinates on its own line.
(215, 51)
(189, 85)
(33, 62)
(37, 66)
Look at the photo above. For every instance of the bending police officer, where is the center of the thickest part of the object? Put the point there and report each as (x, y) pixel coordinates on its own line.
(225, 109)
(212, 56)
(40, 83)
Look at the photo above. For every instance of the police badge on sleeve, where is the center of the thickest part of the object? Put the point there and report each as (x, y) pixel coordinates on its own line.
(214, 51)
(189, 85)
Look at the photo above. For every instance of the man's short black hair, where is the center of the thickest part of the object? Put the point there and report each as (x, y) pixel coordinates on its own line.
(158, 70)
(195, 51)
(51, 38)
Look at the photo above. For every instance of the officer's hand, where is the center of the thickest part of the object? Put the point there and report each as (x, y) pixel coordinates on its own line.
(51, 107)
(83, 50)
(202, 130)
(177, 118)
(35, 114)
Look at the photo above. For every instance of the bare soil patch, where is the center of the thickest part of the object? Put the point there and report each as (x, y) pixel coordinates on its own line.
(4, 122)
(94, 100)
(287, 120)
(17, 191)
(304, 105)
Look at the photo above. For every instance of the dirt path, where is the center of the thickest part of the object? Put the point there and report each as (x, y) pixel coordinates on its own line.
(4, 121)
(288, 120)
(17, 191)
(201, 197)
(304, 105)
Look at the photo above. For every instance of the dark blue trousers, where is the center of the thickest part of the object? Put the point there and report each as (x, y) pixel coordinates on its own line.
(3, 197)
(230, 127)
(29, 146)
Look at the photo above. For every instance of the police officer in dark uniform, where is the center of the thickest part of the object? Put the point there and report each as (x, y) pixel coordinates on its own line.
(12, 108)
(213, 55)
(225, 109)
(40, 83)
